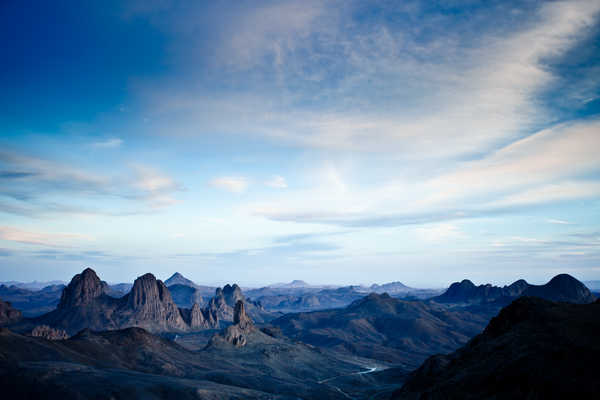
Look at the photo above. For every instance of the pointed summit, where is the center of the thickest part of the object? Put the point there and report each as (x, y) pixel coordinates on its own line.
(178, 279)
(83, 289)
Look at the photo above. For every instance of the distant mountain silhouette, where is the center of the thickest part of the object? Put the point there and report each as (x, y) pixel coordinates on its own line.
(562, 287)
(178, 279)
(32, 302)
(534, 349)
(385, 328)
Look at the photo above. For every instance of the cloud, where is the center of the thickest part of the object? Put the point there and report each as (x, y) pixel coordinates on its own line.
(154, 186)
(233, 184)
(455, 95)
(277, 182)
(39, 238)
(548, 166)
(108, 143)
(557, 221)
(34, 186)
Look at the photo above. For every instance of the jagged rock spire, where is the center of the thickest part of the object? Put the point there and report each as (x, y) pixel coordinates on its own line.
(240, 317)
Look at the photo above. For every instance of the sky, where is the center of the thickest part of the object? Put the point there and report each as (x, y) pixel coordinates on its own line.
(338, 142)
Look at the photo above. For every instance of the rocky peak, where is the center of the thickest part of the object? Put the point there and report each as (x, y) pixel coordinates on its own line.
(148, 292)
(83, 289)
(240, 317)
(178, 279)
(562, 287)
(150, 303)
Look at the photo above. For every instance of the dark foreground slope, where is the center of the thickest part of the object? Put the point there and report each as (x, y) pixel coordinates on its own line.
(384, 328)
(534, 349)
(241, 362)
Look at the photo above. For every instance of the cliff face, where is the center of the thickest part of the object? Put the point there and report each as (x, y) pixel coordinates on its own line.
(149, 304)
(83, 289)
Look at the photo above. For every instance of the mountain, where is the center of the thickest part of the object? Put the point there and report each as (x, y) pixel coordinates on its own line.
(85, 304)
(533, 349)
(123, 364)
(119, 289)
(186, 296)
(178, 279)
(135, 364)
(562, 287)
(8, 314)
(225, 299)
(32, 302)
(384, 328)
(296, 283)
(33, 286)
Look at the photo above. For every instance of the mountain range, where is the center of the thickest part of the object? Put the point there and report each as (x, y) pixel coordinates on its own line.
(562, 287)
(144, 345)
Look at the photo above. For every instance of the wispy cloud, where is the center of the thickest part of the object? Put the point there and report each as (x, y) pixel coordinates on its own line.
(35, 186)
(557, 221)
(277, 182)
(233, 184)
(108, 143)
(40, 238)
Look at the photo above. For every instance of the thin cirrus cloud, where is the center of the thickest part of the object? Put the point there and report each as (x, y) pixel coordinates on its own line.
(35, 186)
(542, 168)
(108, 143)
(13, 234)
(233, 184)
(472, 99)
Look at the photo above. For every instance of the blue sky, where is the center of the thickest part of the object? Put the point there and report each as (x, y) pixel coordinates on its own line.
(335, 142)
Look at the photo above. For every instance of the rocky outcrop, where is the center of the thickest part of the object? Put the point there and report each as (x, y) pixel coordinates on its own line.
(83, 289)
(240, 317)
(150, 305)
(8, 314)
(197, 318)
(48, 333)
(236, 334)
(225, 299)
